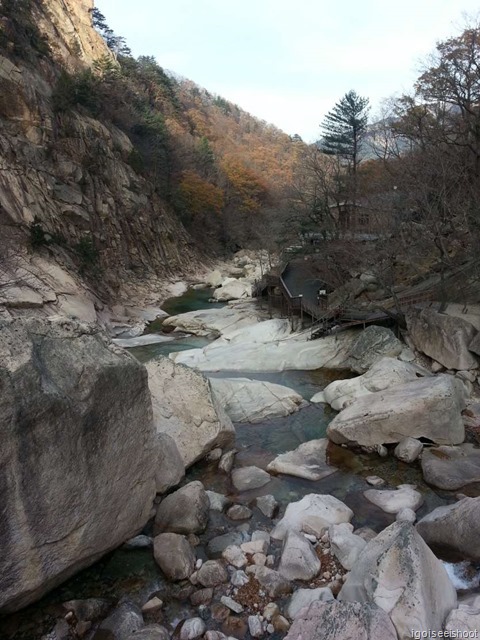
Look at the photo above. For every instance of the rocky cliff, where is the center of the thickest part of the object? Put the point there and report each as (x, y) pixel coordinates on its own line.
(70, 202)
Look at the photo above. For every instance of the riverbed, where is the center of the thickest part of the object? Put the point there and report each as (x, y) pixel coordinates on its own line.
(135, 573)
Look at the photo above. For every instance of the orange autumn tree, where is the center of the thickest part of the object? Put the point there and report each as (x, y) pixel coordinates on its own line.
(245, 188)
(198, 197)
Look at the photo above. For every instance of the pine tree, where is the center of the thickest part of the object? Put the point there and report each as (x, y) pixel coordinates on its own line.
(344, 128)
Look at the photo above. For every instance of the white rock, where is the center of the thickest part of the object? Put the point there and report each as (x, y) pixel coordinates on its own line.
(255, 546)
(218, 502)
(253, 401)
(399, 573)
(247, 478)
(345, 545)
(192, 628)
(428, 407)
(299, 561)
(239, 578)
(384, 374)
(406, 515)
(255, 626)
(235, 556)
(308, 460)
(393, 501)
(324, 508)
(465, 619)
(375, 481)
(267, 505)
(185, 408)
(232, 289)
(231, 604)
(304, 598)
(216, 321)
(408, 450)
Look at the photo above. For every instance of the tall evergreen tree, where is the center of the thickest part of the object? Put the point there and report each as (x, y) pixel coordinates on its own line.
(344, 128)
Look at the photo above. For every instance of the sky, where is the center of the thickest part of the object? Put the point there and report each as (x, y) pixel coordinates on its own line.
(289, 61)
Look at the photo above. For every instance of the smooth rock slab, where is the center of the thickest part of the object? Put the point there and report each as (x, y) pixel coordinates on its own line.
(309, 461)
(324, 508)
(299, 560)
(454, 529)
(404, 497)
(428, 407)
(342, 621)
(253, 401)
(398, 572)
(451, 468)
(247, 478)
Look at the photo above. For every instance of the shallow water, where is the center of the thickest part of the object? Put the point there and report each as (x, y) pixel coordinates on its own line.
(135, 573)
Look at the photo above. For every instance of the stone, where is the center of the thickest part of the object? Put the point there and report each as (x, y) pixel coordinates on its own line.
(342, 621)
(185, 408)
(408, 450)
(150, 632)
(299, 560)
(214, 278)
(270, 611)
(174, 555)
(255, 626)
(261, 535)
(428, 407)
(231, 604)
(212, 573)
(444, 338)
(202, 596)
(192, 628)
(304, 597)
(371, 345)
(226, 462)
(83, 481)
(393, 501)
(153, 605)
(218, 544)
(345, 545)
(383, 374)
(239, 512)
(90, 609)
(273, 582)
(308, 460)
(255, 546)
(214, 455)
(247, 478)
(239, 578)
(170, 469)
(184, 511)
(235, 556)
(451, 468)
(246, 400)
(406, 515)
(206, 322)
(375, 481)
(267, 505)
(465, 619)
(280, 624)
(454, 529)
(325, 508)
(398, 572)
(125, 620)
(260, 559)
(139, 542)
(217, 501)
(232, 289)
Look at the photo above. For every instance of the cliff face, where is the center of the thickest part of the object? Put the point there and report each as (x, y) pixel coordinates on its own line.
(67, 177)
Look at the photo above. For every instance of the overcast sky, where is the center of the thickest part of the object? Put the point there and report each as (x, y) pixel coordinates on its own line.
(289, 61)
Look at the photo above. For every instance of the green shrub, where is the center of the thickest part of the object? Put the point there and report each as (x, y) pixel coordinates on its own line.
(76, 90)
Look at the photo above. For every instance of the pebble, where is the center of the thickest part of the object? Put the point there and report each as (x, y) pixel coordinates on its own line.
(152, 605)
(260, 559)
(239, 578)
(311, 538)
(270, 628)
(375, 481)
(192, 628)
(235, 556)
(256, 546)
(270, 611)
(255, 626)
(239, 512)
(231, 604)
(198, 563)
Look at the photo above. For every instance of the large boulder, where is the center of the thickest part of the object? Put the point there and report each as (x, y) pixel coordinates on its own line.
(174, 555)
(398, 572)
(444, 338)
(170, 470)
(341, 621)
(454, 529)
(464, 622)
(428, 407)
(308, 460)
(247, 400)
(320, 510)
(78, 454)
(384, 374)
(451, 468)
(184, 511)
(233, 289)
(185, 408)
(371, 345)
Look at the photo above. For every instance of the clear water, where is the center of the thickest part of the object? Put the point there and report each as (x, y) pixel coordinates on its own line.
(135, 573)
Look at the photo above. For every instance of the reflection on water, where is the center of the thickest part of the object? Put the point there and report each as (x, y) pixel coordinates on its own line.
(191, 300)
(152, 351)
